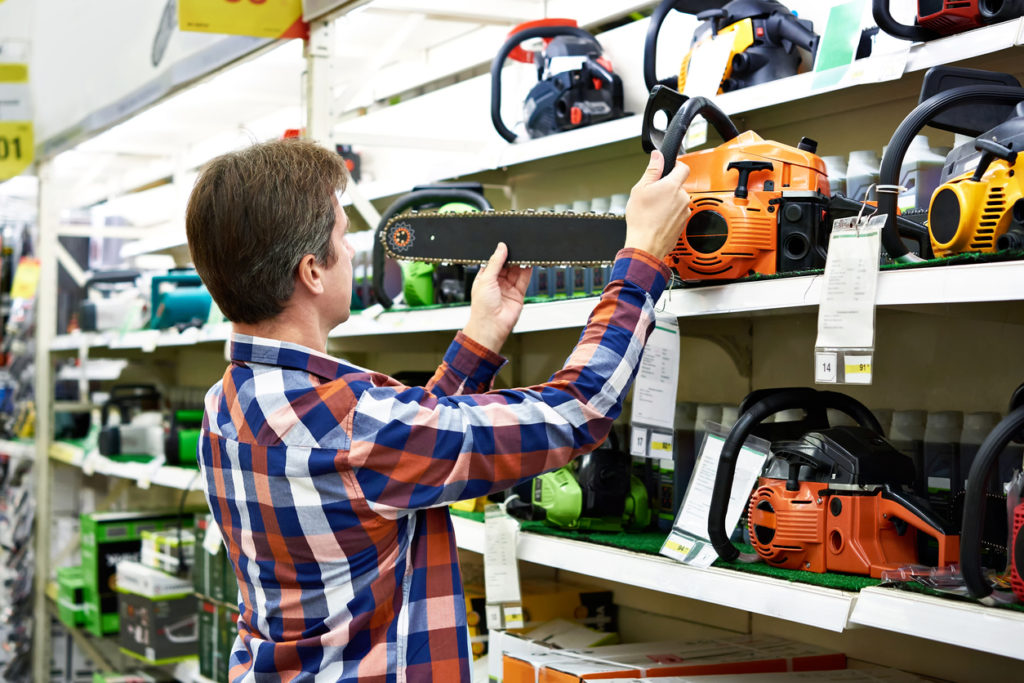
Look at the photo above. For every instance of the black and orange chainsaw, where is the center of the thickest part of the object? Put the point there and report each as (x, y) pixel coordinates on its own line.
(937, 18)
(829, 498)
(984, 525)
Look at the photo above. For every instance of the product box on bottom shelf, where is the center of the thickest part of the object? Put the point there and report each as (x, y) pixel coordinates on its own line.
(68, 664)
(159, 622)
(109, 538)
(135, 677)
(70, 597)
(213, 575)
(741, 654)
(218, 628)
(547, 600)
(558, 634)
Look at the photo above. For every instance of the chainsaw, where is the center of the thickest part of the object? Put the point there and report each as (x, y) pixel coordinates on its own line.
(829, 498)
(984, 514)
(425, 283)
(576, 84)
(596, 492)
(767, 40)
(139, 436)
(979, 206)
(757, 206)
(937, 18)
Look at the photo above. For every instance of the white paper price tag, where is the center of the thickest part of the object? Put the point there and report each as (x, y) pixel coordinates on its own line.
(501, 566)
(654, 392)
(638, 442)
(846, 316)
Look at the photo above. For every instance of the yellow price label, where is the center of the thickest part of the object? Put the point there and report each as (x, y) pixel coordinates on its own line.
(260, 18)
(17, 147)
(26, 278)
(858, 368)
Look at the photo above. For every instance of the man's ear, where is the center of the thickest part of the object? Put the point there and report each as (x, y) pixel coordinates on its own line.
(309, 275)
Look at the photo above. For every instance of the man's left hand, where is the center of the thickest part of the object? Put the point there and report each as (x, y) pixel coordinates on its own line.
(497, 300)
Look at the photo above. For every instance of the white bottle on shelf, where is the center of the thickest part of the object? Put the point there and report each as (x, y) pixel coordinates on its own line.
(835, 166)
(862, 173)
(919, 173)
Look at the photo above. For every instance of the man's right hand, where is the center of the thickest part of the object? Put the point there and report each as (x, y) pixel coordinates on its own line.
(657, 208)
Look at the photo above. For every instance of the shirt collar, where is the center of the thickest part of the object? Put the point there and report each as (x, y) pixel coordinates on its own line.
(249, 349)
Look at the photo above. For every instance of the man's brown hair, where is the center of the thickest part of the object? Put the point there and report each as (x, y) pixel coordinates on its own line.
(253, 214)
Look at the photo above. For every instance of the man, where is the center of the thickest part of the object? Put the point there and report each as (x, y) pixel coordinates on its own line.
(330, 482)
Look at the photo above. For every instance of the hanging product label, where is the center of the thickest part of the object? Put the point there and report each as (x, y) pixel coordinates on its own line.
(501, 569)
(654, 392)
(707, 65)
(17, 143)
(845, 346)
(259, 18)
(688, 541)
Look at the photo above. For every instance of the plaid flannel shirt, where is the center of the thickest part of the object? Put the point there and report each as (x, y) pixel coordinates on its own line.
(330, 485)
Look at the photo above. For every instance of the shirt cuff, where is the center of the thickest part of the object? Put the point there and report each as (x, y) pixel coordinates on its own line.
(474, 362)
(643, 269)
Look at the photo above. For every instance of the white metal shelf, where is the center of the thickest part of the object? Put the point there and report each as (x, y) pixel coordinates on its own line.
(948, 621)
(144, 474)
(18, 449)
(968, 283)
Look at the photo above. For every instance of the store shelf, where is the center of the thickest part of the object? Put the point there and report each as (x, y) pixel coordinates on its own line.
(144, 474)
(982, 282)
(821, 607)
(944, 620)
(18, 449)
(948, 621)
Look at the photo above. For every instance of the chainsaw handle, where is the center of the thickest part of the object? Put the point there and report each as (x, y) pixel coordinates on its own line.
(124, 396)
(770, 404)
(973, 521)
(511, 43)
(407, 201)
(841, 206)
(918, 513)
(885, 21)
(922, 114)
(672, 143)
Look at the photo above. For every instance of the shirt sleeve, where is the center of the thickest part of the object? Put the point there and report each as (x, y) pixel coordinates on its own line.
(467, 368)
(414, 449)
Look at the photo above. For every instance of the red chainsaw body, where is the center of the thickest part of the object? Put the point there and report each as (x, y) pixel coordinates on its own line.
(950, 16)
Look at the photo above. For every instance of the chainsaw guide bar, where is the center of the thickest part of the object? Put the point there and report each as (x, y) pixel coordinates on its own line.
(533, 238)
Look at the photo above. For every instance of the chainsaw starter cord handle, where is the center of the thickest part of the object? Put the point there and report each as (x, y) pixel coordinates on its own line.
(883, 17)
(974, 501)
(680, 123)
(772, 403)
(922, 114)
(512, 43)
(414, 199)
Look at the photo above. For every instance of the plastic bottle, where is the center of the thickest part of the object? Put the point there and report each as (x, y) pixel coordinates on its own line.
(976, 427)
(907, 435)
(618, 204)
(919, 173)
(941, 450)
(835, 166)
(862, 173)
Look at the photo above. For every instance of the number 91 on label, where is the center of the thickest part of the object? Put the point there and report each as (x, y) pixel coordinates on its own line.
(17, 147)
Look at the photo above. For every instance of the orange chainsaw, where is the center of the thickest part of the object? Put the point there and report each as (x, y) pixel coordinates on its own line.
(758, 206)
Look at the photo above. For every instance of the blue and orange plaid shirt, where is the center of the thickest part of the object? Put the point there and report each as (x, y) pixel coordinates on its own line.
(330, 485)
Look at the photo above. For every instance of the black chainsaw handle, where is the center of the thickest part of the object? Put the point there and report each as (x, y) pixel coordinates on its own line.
(680, 111)
(772, 402)
(651, 41)
(885, 21)
(511, 43)
(408, 201)
(973, 520)
(922, 114)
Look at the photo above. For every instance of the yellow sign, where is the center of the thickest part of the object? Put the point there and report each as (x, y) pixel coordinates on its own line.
(17, 146)
(260, 18)
(26, 279)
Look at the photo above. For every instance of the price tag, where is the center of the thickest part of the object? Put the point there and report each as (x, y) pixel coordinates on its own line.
(654, 392)
(278, 19)
(845, 345)
(501, 567)
(212, 542)
(17, 142)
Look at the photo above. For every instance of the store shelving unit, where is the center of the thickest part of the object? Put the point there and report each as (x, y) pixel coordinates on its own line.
(948, 291)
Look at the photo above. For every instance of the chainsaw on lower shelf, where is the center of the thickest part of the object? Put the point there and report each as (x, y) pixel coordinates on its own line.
(979, 205)
(768, 41)
(595, 492)
(576, 84)
(758, 206)
(829, 498)
(937, 18)
(984, 524)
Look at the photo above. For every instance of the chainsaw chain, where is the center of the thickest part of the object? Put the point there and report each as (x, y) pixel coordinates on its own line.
(527, 213)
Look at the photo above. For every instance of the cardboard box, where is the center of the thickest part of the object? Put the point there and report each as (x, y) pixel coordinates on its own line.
(844, 675)
(159, 620)
(218, 628)
(109, 538)
(70, 596)
(742, 654)
(160, 549)
(554, 635)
